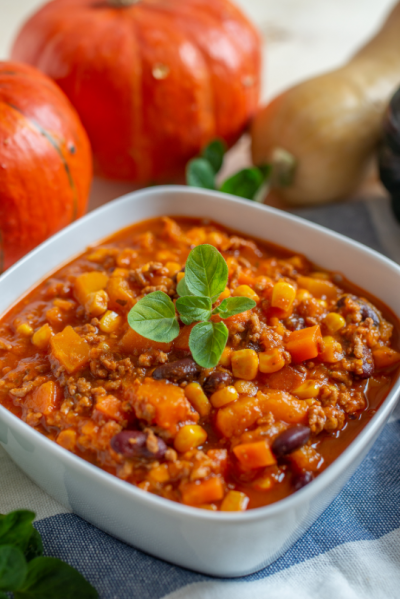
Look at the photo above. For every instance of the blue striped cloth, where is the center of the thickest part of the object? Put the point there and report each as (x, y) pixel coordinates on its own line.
(351, 552)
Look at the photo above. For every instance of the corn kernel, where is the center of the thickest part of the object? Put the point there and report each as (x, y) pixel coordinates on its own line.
(332, 352)
(198, 399)
(42, 337)
(283, 296)
(245, 364)
(307, 390)
(25, 330)
(214, 238)
(271, 360)
(302, 295)
(165, 256)
(246, 388)
(224, 396)
(208, 506)
(110, 322)
(334, 322)
(160, 473)
(322, 276)
(120, 273)
(226, 293)
(234, 501)
(180, 276)
(225, 359)
(322, 303)
(96, 303)
(100, 255)
(189, 437)
(173, 268)
(263, 483)
(65, 305)
(246, 291)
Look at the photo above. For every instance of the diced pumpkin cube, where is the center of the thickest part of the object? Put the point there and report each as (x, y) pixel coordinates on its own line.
(306, 458)
(385, 357)
(109, 406)
(160, 474)
(162, 404)
(304, 344)
(87, 283)
(234, 501)
(182, 341)
(70, 349)
(132, 341)
(121, 296)
(234, 418)
(283, 296)
(45, 398)
(319, 288)
(283, 406)
(199, 492)
(254, 455)
(67, 439)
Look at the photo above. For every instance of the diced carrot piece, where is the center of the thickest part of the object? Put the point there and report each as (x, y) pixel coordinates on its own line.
(162, 404)
(87, 283)
(70, 349)
(318, 287)
(182, 341)
(234, 501)
(67, 439)
(304, 344)
(385, 357)
(283, 296)
(202, 491)
(246, 278)
(44, 399)
(132, 341)
(41, 338)
(254, 455)
(109, 406)
(283, 406)
(306, 458)
(234, 418)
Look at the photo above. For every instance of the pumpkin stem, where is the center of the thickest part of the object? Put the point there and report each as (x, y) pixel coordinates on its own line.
(122, 3)
(283, 168)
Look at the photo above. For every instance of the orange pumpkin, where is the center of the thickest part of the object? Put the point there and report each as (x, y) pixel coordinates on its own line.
(152, 80)
(45, 161)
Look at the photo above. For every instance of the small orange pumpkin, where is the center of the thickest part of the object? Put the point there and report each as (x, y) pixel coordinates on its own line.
(152, 80)
(45, 161)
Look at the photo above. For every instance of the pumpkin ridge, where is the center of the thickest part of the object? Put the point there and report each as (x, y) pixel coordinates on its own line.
(57, 148)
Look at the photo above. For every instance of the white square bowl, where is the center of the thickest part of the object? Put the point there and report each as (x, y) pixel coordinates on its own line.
(215, 543)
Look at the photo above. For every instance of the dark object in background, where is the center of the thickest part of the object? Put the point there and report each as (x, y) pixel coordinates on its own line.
(389, 154)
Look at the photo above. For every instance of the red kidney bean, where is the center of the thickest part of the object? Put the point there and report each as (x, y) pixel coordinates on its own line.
(217, 380)
(302, 479)
(180, 370)
(290, 440)
(137, 444)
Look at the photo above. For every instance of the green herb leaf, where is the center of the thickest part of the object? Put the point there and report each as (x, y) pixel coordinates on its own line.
(207, 341)
(200, 173)
(35, 546)
(16, 528)
(234, 305)
(194, 309)
(154, 317)
(206, 272)
(4, 595)
(12, 568)
(214, 154)
(48, 578)
(182, 288)
(245, 183)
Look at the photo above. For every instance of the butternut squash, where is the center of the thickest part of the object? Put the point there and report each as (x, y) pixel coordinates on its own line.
(320, 135)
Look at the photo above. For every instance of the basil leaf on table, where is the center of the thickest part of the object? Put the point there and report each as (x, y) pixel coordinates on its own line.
(245, 183)
(214, 154)
(16, 528)
(234, 305)
(200, 173)
(13, 568)
(194, 309)
(182, 288)
(154, 317)
(35, 546)
(207, 341)
(206, 272)
(50, 578)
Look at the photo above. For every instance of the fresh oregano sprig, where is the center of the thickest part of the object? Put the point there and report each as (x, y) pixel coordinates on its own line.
(249, 183)
(26, 573)
(206, 276)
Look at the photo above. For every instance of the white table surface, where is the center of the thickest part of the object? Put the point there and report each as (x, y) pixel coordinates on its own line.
(301, 38)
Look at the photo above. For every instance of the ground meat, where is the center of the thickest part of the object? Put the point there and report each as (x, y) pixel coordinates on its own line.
(316, 419)
(334, 419)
